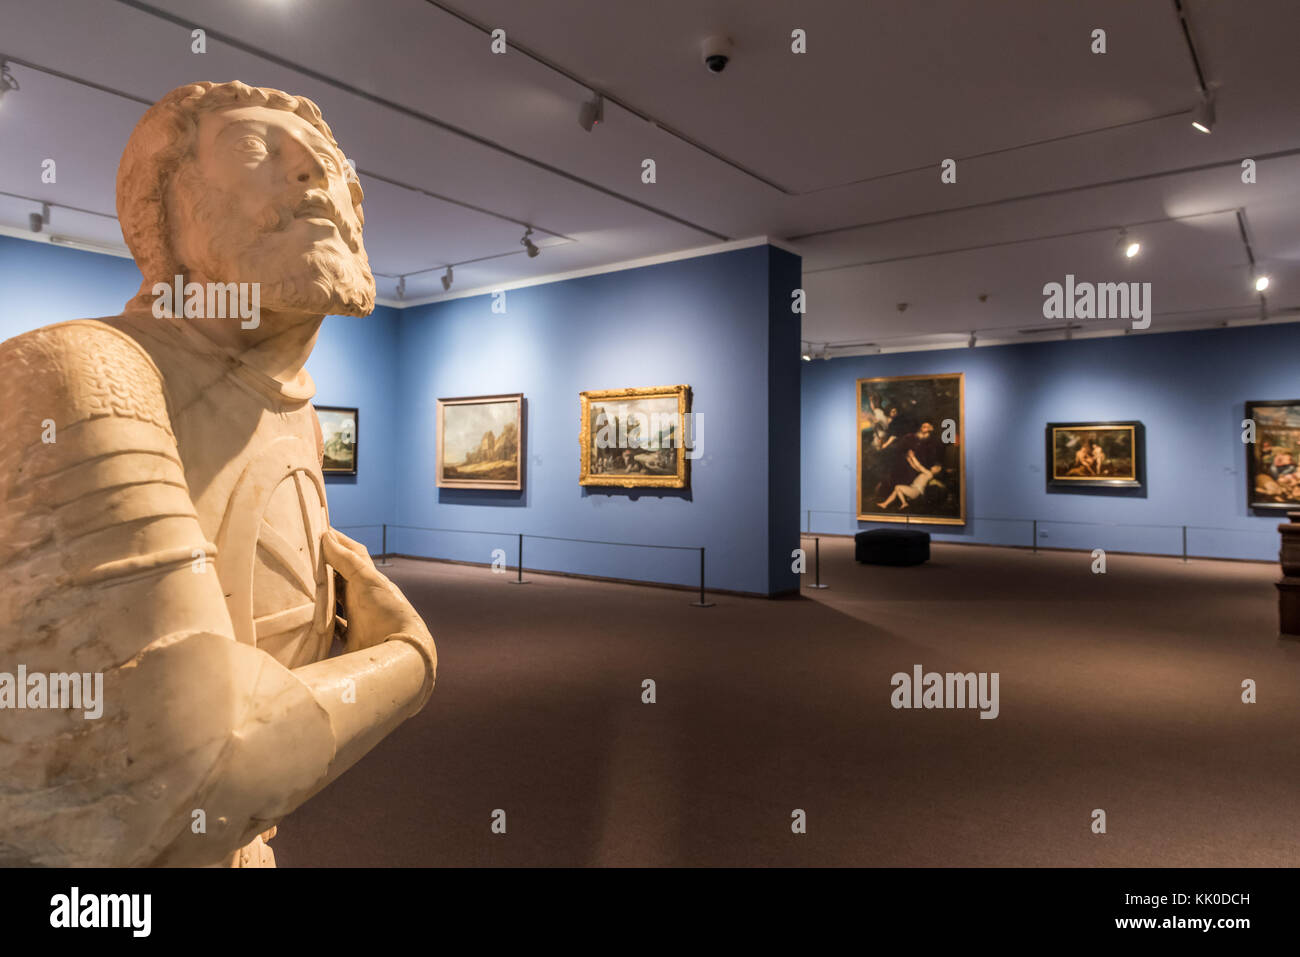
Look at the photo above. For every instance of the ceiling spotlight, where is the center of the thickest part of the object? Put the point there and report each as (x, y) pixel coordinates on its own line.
(807, 357)
(1261, 283)
(592, 113)
(7, 81)
(970, 343)
(401, 287)
(1131, 247)
(38, 220)
(1203, 115)
(446, 279)
(529, 244)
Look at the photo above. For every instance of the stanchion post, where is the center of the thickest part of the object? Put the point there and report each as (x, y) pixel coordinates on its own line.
(817, 564)
(383, 548)
(520, 579)
(702, 603)
(1035, 534)
(1184, 544)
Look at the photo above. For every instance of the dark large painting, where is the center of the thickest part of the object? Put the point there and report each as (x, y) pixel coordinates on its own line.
(1272, 467)
(911, 449)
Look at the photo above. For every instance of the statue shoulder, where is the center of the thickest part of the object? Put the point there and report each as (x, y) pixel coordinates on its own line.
(79, 370)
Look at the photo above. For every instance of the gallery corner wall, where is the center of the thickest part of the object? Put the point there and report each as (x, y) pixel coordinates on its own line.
(42, 284)
(720, 323)
(1188, 389)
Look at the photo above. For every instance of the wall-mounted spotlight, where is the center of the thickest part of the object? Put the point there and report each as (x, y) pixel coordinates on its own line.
(1261, 283)
(446, 280)
(401, 287)
(1203, 115)
(529, 244)
(7, 81)
(592, 113)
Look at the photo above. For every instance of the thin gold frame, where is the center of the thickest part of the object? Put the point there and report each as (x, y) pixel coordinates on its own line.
(518, 399)
(682, 477)
(961, 453)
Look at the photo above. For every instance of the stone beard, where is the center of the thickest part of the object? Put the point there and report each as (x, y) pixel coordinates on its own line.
(331, 277)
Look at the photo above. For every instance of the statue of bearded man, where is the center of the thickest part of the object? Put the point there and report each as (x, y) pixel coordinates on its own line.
(163, 519)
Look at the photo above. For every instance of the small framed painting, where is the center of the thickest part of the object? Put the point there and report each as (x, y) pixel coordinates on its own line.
(635, 438)
(338, 428)
(481, 442)
(1272, 472)
(1095, 455)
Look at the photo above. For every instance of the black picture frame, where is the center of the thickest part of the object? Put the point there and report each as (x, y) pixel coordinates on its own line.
(1256, 500)
(356, 444)
(1136, 479)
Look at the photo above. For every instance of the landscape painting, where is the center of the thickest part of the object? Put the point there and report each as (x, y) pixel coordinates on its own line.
(1273, 482)
(338, 427)
(1095, 454)
(480, 442)
(635, 437)
(911, 433)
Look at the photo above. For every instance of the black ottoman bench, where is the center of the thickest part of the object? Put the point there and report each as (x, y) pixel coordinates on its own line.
(888, 546)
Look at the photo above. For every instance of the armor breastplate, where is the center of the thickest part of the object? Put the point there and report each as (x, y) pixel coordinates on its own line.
(249, 447)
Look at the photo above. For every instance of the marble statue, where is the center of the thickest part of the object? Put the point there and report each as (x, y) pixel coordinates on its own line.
(164, 536)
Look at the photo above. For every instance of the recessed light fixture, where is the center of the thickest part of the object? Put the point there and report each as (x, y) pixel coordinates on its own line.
(1261, 283)
(446, 280)
(592, 113)
(529, 244)
(1131, 247)
(1203, 115)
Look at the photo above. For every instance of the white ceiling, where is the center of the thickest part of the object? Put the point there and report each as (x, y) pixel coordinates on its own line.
(836, 151)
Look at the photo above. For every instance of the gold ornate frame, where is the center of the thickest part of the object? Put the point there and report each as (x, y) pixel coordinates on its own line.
(680, 480)
(961, 453)
(518, 399)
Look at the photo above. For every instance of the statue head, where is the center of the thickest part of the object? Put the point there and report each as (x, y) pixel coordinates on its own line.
(223, 182)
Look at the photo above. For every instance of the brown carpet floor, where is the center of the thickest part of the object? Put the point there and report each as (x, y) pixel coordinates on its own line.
(1119, 691)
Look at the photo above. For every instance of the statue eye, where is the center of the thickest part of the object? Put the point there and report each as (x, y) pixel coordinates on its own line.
(328, 162)
(251, 144)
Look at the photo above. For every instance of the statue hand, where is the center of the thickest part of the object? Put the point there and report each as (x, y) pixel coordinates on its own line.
(376, 608)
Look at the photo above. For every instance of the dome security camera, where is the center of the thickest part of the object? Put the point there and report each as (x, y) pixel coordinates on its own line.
(717, 53)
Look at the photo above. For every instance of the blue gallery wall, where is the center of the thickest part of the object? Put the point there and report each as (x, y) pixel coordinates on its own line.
(42, 284)
(709, 322)
(719, 323)
(1188, 389)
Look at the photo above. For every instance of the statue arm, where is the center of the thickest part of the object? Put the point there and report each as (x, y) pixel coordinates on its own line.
(202, 742)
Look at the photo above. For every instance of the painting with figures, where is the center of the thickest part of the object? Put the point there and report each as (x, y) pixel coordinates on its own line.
(635, 438)
(1095, 454)
(1272, 472)
(911, 449)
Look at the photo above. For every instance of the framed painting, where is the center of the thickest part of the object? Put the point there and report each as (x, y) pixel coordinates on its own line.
(1272, 473)
(911, 435)
(635, 438)
(339, 431)
(1095, 455)
(481, 442)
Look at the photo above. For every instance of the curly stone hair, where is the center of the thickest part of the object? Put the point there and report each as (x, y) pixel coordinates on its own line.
(167, 134)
